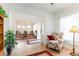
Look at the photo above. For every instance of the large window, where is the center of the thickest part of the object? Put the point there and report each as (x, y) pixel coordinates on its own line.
(65, 25)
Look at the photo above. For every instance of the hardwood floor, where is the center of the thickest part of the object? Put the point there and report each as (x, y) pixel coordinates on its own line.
(23, 49)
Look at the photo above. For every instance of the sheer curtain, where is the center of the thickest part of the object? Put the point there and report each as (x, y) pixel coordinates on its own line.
(65, 25)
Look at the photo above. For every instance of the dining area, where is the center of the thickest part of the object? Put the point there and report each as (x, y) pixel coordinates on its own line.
(25, 35)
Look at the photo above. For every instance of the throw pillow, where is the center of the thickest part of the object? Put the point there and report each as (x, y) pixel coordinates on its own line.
(50, 37)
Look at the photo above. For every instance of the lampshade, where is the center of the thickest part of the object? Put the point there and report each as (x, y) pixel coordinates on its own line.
(73, 29)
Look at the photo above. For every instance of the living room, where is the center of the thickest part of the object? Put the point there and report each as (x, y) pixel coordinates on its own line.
(50, 16)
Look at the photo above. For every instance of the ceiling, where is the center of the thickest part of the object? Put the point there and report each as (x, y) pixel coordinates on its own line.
(56, 7)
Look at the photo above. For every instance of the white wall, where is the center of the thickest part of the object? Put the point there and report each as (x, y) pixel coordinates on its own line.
(22, 20)
(46, 16)
(48, 21)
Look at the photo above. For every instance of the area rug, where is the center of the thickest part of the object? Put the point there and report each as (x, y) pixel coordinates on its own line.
(64, 52)
(42, 53)
(33, 41)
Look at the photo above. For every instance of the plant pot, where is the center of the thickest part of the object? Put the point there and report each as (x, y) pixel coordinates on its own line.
(9, 49)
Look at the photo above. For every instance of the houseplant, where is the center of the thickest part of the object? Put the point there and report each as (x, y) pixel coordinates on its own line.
(2, 12)
(9, 41)
(10, 37)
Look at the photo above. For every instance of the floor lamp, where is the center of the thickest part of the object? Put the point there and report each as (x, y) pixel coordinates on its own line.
(73, 30)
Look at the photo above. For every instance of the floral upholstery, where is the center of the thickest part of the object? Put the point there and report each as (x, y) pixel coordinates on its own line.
(57, 43)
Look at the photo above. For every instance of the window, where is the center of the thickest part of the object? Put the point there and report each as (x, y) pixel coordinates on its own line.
(19, 26)
(65, 25)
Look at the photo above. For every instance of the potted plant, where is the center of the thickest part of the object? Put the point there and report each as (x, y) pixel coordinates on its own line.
(9, 41)
(2, 12)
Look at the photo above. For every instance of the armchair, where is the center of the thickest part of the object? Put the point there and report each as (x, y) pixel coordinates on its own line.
(55, 42)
